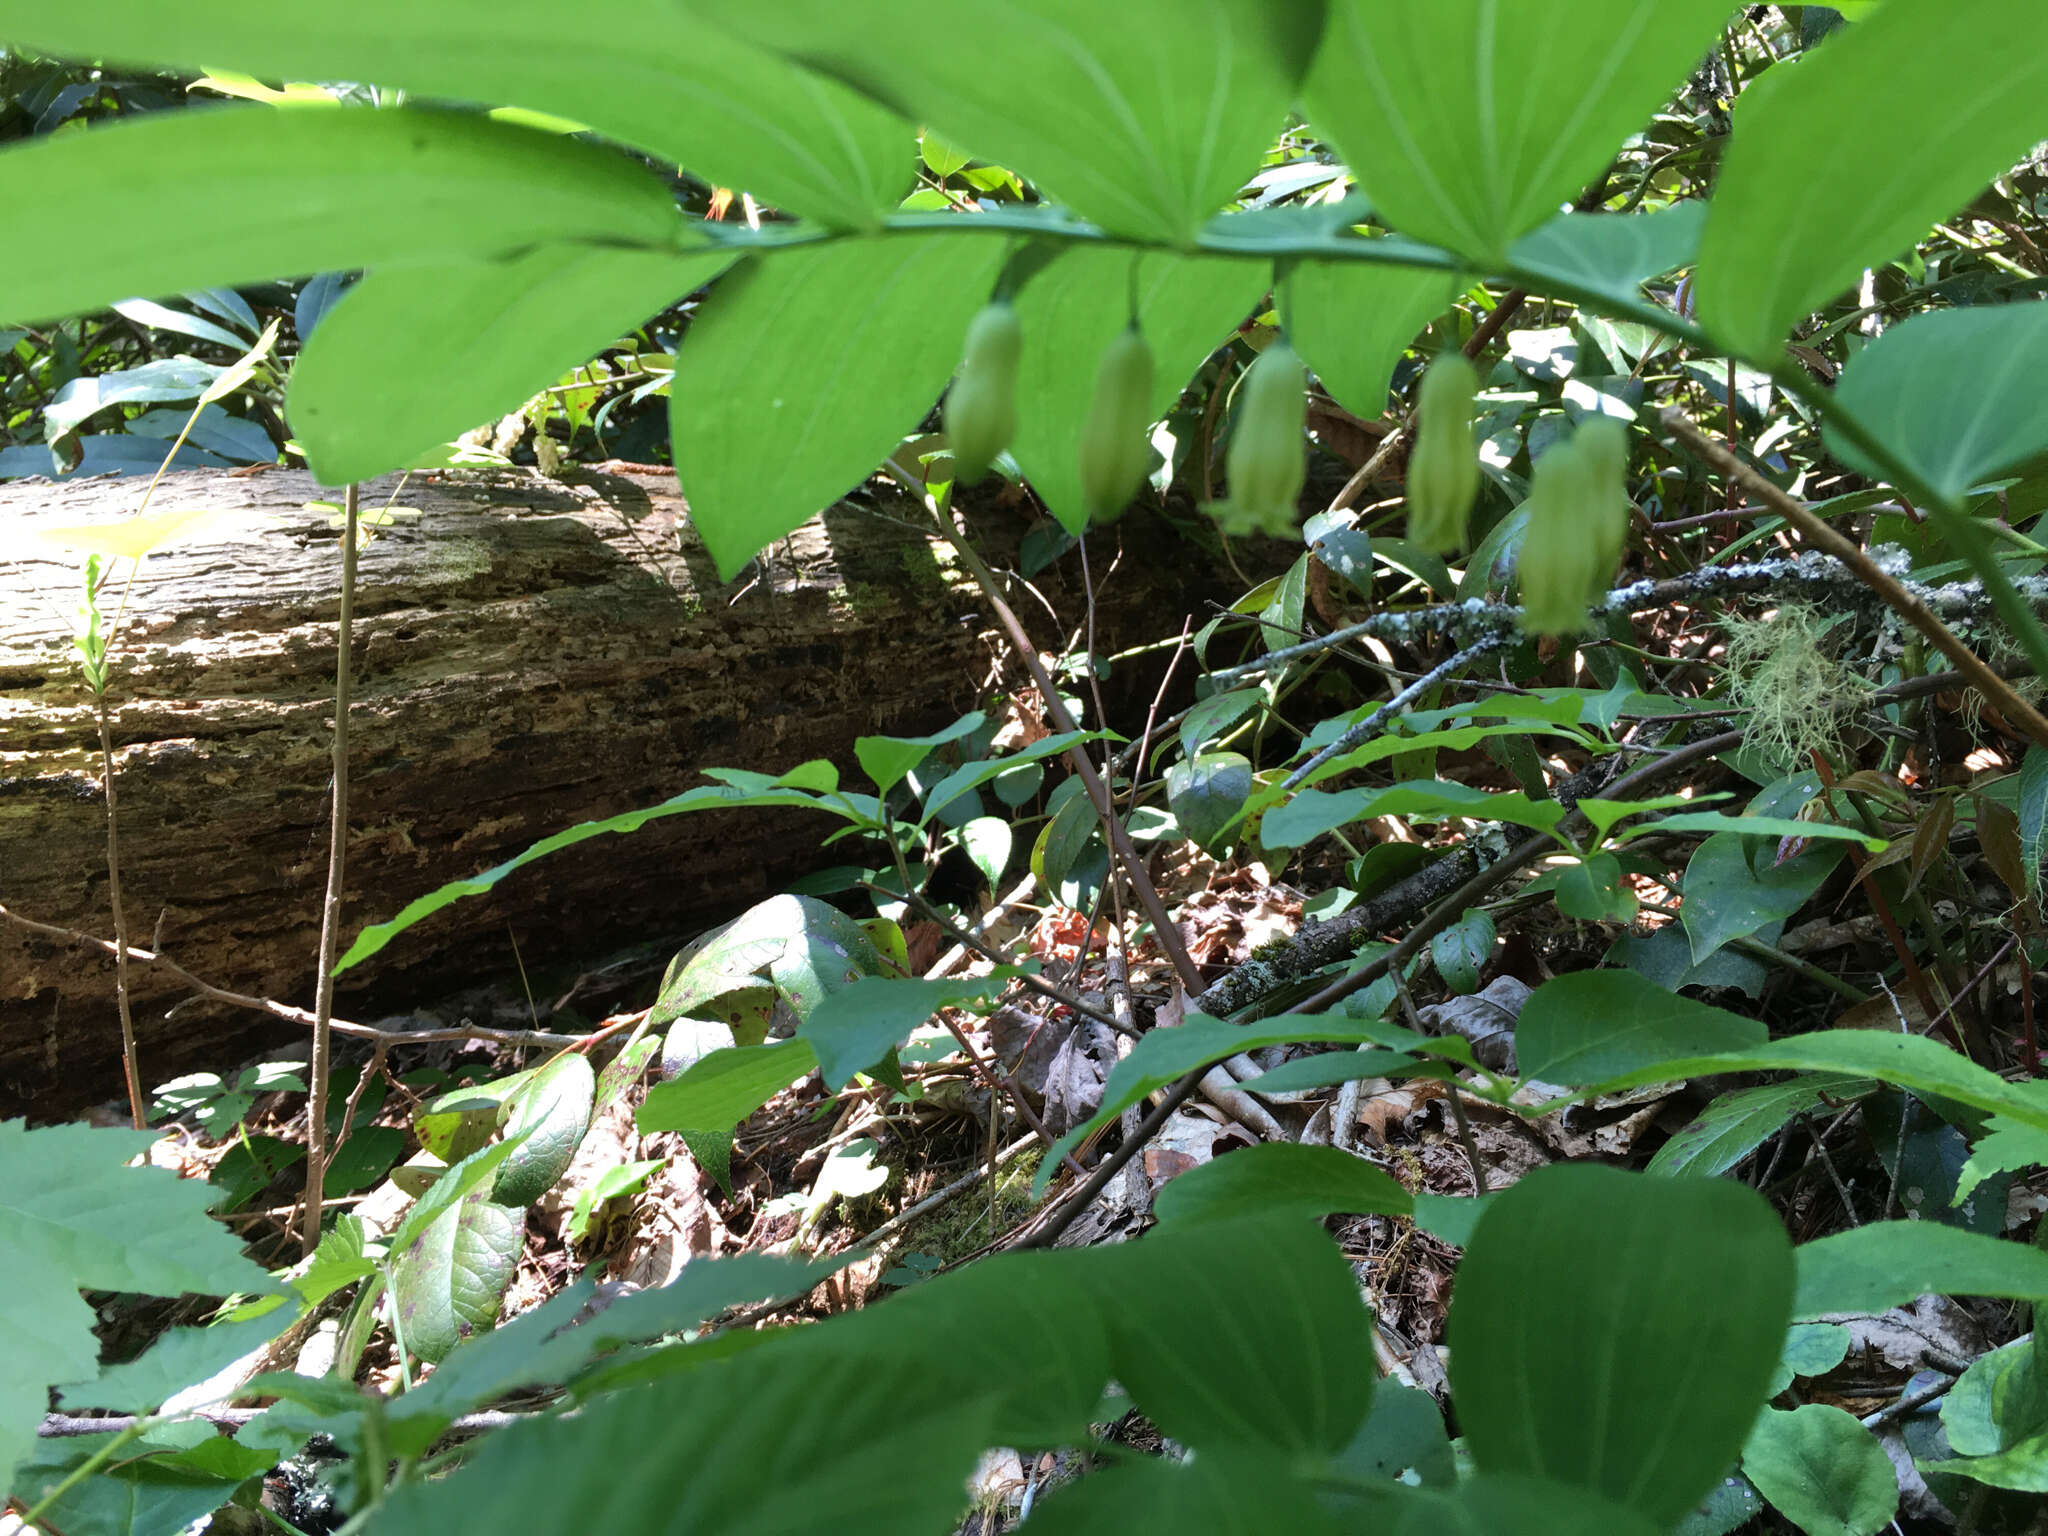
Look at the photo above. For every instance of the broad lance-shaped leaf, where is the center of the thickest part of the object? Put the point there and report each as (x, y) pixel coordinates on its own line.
(1848, 158)
(1275, 1178)
(805, 368)
(853, 1028)
(1956, 393)
(548, 1116)
(795, 788)
(1165, 1054)
(1618, 1332)
(1469, 122)
(742, 1447)
(447, 1283)
(417, 355)
(237, 194)
(645, 74)
(728, 1085)
(1601, 1032)
(1145, 116)
(1352, 320)
(1187, 307)
(1886, 1264)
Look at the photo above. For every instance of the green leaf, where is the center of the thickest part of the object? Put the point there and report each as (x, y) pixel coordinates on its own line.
(1811, 1349)
(854, 1028)
(1736, 1124)
(1352, 320)
(1402, 1438)
(547, 1116)
(1608, 254)
(1595, 891)
(785, 791)
(886, 759)
(971, 776)
(725, 1087)
(179, 1359)
(1855, 152)
(2033, 812)
(1164, 1055)
(645, 75)
(1072, 310)
(804, 950)
(1468, 122)
(2023, 1467)
(170, 378)
(447, 1283)
(233, 195)
(1951, 393)
(1591, 1026)
(1728, 898)
(417, 355)
(1144, 117)
(1279, 1178)
(804, 369)
(738, 1447)
(1586, 1296)
(1291, 1374)
(536, 1348)
(1215, 715)
(1885, 1264)
(1761, 826)
(1461, 951)
(165, 1483)
(1822, 1470)
(1312, 812)
(2004, 1148)
(449, 1190)
(1206, 793)
(987, 842)
(1909, 1061)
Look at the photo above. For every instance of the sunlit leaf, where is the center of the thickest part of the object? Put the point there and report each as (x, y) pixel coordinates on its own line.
(1469, 122)
(1852, 154)
(236, 194)
(418, 354)
(1146, 116)
(803, 371)
(647, 75)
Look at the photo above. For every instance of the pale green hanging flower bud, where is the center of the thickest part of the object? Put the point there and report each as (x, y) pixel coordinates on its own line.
(1443, 471)
(1578, 524)
(1603, 450)
(1267, 462)
(981, 407)
(1115, 449)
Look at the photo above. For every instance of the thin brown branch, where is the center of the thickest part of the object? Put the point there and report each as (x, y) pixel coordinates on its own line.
(337, 859)
(275, 1009)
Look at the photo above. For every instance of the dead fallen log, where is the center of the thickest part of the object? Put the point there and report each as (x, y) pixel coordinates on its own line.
(528, 654)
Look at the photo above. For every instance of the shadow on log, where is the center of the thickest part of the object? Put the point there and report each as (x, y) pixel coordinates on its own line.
(529, 654)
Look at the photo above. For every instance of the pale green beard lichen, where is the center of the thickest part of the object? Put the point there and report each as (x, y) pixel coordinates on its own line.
(1795, 694)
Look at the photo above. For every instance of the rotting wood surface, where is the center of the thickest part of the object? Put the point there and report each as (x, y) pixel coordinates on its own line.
(529, 654)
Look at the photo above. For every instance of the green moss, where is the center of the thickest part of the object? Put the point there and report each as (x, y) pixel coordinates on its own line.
(964, 1224)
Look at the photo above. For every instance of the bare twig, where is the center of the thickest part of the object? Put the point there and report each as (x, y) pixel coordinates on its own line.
(275, 1009)
(130, 1065)
(337, 858)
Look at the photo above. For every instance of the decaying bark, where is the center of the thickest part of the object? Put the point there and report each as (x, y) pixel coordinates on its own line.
(529, 654)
